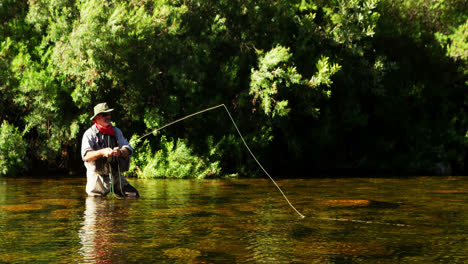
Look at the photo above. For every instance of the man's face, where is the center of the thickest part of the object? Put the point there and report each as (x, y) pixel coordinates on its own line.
(103, 119)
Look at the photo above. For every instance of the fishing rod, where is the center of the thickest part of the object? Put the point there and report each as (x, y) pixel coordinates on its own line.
(240, 135)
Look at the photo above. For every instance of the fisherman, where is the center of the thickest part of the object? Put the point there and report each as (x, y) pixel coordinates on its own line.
(106, 153)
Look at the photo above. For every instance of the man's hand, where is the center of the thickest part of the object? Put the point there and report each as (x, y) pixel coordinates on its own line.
(116, 152)
(107, 152)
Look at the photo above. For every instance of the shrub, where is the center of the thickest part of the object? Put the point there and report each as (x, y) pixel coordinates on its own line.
(174, 159)
(12, 150)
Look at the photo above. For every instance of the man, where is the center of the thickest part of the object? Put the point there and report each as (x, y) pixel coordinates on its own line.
(106, 153)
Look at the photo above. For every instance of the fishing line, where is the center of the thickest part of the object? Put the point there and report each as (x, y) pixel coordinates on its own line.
(245, 144)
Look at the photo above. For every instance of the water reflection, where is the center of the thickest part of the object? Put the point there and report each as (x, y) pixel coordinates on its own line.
(101, 231)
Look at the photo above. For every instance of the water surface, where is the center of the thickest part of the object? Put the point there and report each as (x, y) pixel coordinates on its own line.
(359, 220)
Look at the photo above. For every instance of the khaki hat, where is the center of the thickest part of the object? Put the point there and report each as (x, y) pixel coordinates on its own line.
(101, 108)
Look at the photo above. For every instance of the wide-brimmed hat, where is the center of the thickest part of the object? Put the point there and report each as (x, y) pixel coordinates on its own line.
(101, 108)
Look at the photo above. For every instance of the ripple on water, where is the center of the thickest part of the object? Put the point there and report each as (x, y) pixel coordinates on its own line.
(343, 248)
(21, 207)
(183, 254)
(62, 202)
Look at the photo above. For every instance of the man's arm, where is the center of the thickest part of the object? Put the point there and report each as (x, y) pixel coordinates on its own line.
(93, 155)
(127, 150)
(124, 152)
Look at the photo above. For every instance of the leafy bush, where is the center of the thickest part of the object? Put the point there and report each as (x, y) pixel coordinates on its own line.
(174, 159)
(12, 150)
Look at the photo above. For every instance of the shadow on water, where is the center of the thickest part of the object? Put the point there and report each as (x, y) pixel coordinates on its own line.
(359, 203)
(202, 214)
(383, 205)
(299, 232)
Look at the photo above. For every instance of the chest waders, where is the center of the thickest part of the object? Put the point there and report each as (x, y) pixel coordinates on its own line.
(109, 141)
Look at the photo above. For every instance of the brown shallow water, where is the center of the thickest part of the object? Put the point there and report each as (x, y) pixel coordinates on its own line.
(359, 220)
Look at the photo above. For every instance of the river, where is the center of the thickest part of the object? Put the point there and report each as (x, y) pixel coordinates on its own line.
(357, 220)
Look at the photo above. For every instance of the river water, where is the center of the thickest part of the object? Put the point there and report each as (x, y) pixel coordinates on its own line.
(358, 220)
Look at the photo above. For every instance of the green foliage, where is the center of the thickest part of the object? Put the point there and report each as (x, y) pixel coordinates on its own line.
(459, 43)
(358, 84)
(277, 78)
(352, 22)
(274, 75)
(174, 159)
(324, 72)
(96, 50)
(12, 150)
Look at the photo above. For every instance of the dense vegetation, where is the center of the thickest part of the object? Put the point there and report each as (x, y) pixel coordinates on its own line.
(336, 86)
